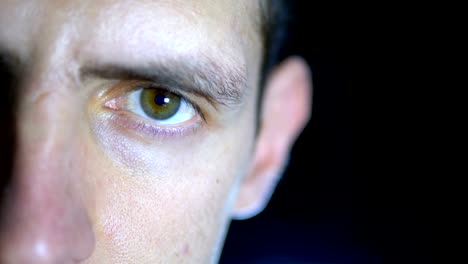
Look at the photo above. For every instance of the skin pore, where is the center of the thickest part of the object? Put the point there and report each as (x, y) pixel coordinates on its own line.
(96, 180)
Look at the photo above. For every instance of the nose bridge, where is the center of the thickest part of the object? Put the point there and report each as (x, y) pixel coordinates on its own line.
(44, 129)
(45, 116)
(44, 218)
(46, 132)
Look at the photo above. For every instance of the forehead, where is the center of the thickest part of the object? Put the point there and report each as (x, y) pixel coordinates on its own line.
(130, 29)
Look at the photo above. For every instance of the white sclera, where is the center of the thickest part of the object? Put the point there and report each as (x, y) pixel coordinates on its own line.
(185, 112)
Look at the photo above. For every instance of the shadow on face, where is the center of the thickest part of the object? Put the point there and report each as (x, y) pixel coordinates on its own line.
(7, 131)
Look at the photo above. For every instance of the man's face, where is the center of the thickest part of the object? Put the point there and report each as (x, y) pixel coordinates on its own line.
(135, 123)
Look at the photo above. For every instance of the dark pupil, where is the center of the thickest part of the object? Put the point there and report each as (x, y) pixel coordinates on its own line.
(161, 99)
(159, 103)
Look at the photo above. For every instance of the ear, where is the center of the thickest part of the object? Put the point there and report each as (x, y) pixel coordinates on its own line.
(286, 107)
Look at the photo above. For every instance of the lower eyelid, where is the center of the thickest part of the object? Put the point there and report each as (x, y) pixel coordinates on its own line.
(152, 131)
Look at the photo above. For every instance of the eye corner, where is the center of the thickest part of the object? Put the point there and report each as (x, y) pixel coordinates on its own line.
(124, 102)
(111, 104)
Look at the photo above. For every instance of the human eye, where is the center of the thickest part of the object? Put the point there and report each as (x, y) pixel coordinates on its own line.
(160, 105)
(154, 110)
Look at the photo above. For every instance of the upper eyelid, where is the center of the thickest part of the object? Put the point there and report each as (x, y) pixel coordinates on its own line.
(144, 84)
(219, 86)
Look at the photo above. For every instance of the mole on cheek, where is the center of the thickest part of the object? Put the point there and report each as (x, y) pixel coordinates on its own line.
(186, 250)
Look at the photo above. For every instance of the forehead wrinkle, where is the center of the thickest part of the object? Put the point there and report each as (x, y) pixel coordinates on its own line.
(157, 28)
(165, 33)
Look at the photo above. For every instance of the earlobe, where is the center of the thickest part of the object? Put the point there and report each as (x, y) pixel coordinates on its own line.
(286, 107)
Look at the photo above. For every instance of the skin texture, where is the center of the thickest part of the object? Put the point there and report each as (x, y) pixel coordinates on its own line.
(88, 185)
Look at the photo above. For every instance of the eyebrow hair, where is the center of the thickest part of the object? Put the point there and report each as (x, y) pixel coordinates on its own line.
(218, 83)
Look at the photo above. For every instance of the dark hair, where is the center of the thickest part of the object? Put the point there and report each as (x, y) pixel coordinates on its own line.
(275, 18)
(274, 24)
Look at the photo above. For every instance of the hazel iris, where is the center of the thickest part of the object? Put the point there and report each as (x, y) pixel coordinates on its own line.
(159, 104)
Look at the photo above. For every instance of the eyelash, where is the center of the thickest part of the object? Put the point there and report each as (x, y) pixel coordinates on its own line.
(133, 122)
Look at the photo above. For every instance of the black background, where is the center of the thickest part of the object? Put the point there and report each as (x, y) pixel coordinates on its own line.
(349, 195)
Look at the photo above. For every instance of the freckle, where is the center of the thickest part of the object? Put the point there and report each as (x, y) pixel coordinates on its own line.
(217, 180)
(186, 251)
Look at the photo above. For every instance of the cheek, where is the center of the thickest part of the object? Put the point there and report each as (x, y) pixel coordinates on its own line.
(169, 199)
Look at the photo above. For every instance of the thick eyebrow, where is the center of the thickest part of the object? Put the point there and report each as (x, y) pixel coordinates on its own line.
(218, 83)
